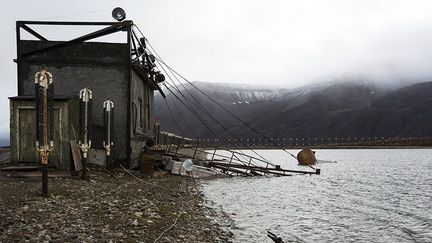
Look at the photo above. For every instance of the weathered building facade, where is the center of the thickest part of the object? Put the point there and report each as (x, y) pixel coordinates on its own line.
(112, 71)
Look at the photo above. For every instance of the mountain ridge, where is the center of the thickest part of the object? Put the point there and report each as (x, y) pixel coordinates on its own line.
(327, 110)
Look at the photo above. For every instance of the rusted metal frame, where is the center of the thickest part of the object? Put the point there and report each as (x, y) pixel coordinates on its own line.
(243, 154)
(253, 172)
(144, 53)
(158, 88)
(237, 158)
(214, 153)
(34, 33)
(139, 71)
(134, 47)
(258, 159)
(105, 31)
(261, 168)
(184, 155)
(129, 103)
(64, 23)
(133, 41)
(136, 37)
(232, 170)
(227, 157)
(177, 147)
(196, 148)
(250, 160)
(18, 39)
(232, 155)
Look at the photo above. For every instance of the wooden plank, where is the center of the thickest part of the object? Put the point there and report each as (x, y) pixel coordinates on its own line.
(76, 154)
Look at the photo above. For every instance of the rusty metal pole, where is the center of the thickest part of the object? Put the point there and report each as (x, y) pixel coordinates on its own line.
(214, 153)
(44, 170)
(44, 93)
(196, 148)
(85, 143)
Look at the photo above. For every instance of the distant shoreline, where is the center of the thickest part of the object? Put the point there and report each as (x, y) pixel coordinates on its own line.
(322, 147)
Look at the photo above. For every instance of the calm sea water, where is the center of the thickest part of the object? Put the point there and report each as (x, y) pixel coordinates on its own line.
(368, 196)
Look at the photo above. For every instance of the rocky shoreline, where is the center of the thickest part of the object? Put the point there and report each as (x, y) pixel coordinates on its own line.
(118, 206)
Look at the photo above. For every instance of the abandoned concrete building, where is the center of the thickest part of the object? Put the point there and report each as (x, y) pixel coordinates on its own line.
(123, 72)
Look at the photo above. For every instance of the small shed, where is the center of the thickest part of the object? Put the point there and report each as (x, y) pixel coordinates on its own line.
(121, 71)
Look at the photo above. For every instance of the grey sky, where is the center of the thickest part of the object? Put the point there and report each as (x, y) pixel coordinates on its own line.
(279, 42)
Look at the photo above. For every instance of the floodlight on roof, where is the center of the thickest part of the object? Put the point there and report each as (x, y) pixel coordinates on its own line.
(118, 14)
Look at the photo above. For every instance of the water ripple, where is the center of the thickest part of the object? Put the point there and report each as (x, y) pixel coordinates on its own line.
(369, 196)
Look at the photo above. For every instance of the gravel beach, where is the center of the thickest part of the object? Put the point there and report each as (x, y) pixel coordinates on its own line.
(108, 207)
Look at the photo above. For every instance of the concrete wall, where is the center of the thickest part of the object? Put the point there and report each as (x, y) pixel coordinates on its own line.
(142, 100)
(102, 67)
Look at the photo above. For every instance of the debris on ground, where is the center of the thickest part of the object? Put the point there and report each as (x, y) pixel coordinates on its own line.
(109, 207)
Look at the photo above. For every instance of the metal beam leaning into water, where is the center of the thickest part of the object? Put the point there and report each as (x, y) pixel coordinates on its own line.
(274, 171)
(236, 165)
(226, 169)
(234, 156)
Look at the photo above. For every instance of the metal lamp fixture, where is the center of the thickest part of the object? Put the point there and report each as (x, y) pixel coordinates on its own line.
(118, 14)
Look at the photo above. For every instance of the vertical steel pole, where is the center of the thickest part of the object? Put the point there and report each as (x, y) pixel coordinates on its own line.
(196, 148)
(85, 96)
(45, 135)
(214, 153)
(44, 143)
(18, 39)
(108, 107)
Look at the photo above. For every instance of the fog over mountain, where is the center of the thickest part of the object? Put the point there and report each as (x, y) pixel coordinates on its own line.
(286, 43)
(332, 109)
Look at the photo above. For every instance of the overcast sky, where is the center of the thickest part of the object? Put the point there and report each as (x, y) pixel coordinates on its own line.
(279, 42)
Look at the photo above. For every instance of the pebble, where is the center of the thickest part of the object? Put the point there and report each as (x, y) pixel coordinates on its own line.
(135, 223)
(109, 212)
(206, 230)
(42, 233)
(48, 238)
(166, 239)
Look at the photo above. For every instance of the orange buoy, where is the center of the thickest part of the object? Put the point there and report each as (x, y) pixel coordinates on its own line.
(306, 157)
